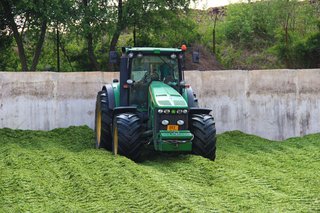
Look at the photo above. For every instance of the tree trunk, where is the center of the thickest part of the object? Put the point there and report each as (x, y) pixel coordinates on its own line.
(58, 47)
(114, 40)
(214, 34)
(119, 28)
(286, 31)
(22, 56)
(134, 36)
(214, 41)
(89, 38)
(91, 54)
(39, 45)
(117, 33)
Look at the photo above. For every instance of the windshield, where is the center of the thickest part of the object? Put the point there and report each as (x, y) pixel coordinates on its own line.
(151, 68)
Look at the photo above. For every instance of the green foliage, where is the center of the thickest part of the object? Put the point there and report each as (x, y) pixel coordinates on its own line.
(61, 171)
(260, 35)
(265, 34)
(29, 18)
(8, 61)
(167, 23)
(171, 33)
(296, 36)
(305, 53)
(90, 25)
(249, 25)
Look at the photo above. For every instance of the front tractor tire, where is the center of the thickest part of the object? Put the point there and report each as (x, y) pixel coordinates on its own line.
(204, 131)
(127, 136)
(103, 120)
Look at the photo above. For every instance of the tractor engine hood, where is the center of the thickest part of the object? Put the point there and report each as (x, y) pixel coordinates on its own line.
(164, 96)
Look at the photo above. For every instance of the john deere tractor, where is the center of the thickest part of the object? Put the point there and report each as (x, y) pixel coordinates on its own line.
(151, 106)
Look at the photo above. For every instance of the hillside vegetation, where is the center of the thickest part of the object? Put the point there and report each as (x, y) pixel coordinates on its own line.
(248, 35)
(60, 171)
(263, 34)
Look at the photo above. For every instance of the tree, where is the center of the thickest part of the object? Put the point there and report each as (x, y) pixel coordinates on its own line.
(24, 12)
(94, 18)
(215, 14)
(145, 17)
(89, 37)
(10, 20)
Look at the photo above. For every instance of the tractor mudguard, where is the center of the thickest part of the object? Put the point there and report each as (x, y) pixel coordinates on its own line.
(124, 109)
(110, 93)
(192, 100)
(196, 110)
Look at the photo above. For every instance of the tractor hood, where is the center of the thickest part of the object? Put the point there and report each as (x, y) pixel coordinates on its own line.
(164, 96)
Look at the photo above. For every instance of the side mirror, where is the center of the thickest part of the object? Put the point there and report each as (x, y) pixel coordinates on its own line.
(113, 57)
(182, 84)
(196, 57)
(182, 60)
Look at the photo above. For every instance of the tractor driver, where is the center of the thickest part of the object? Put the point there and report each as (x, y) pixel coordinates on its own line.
(139, 93)
(166, 73)
(149, 76)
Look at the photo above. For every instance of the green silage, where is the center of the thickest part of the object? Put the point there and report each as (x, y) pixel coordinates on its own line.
(60, 171)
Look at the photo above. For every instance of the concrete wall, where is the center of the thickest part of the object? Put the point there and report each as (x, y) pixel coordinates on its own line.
(48, 100)
(274, 104)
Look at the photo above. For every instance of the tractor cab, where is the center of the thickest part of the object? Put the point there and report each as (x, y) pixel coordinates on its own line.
(146, 66)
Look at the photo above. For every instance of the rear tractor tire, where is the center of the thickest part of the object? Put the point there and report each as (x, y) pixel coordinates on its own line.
(204, 131)
(127, 136)
(103, 120)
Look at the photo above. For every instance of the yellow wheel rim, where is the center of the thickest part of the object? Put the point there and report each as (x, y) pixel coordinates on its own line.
(115, 140)
(98, 128)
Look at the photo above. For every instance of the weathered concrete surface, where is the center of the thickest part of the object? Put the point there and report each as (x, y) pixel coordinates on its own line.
(274, 104)
(49, 100)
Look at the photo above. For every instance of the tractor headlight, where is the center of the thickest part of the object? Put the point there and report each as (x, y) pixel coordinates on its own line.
(167, 111)
(179, 111)
(165, 122)
(185, 111)
(160, 111)
(180, 122)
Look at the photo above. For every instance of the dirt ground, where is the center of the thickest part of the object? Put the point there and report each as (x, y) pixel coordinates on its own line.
(207, 61)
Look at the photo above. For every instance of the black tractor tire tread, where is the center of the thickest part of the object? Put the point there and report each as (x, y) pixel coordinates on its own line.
(106, 120)
(129, 132)
(204, 142)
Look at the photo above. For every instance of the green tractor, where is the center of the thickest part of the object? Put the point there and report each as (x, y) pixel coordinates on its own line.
(151, 106)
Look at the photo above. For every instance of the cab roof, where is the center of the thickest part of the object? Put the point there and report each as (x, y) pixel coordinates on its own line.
(156, 50)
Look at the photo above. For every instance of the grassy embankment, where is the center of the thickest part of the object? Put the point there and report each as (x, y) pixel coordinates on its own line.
(60, 171)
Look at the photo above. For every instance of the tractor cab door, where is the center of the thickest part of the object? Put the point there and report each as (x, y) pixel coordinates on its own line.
(138, 94)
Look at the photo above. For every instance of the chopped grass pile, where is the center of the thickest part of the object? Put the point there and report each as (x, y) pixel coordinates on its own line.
(60, 171)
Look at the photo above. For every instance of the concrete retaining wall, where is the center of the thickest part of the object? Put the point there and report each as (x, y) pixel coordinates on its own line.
(274, 104)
